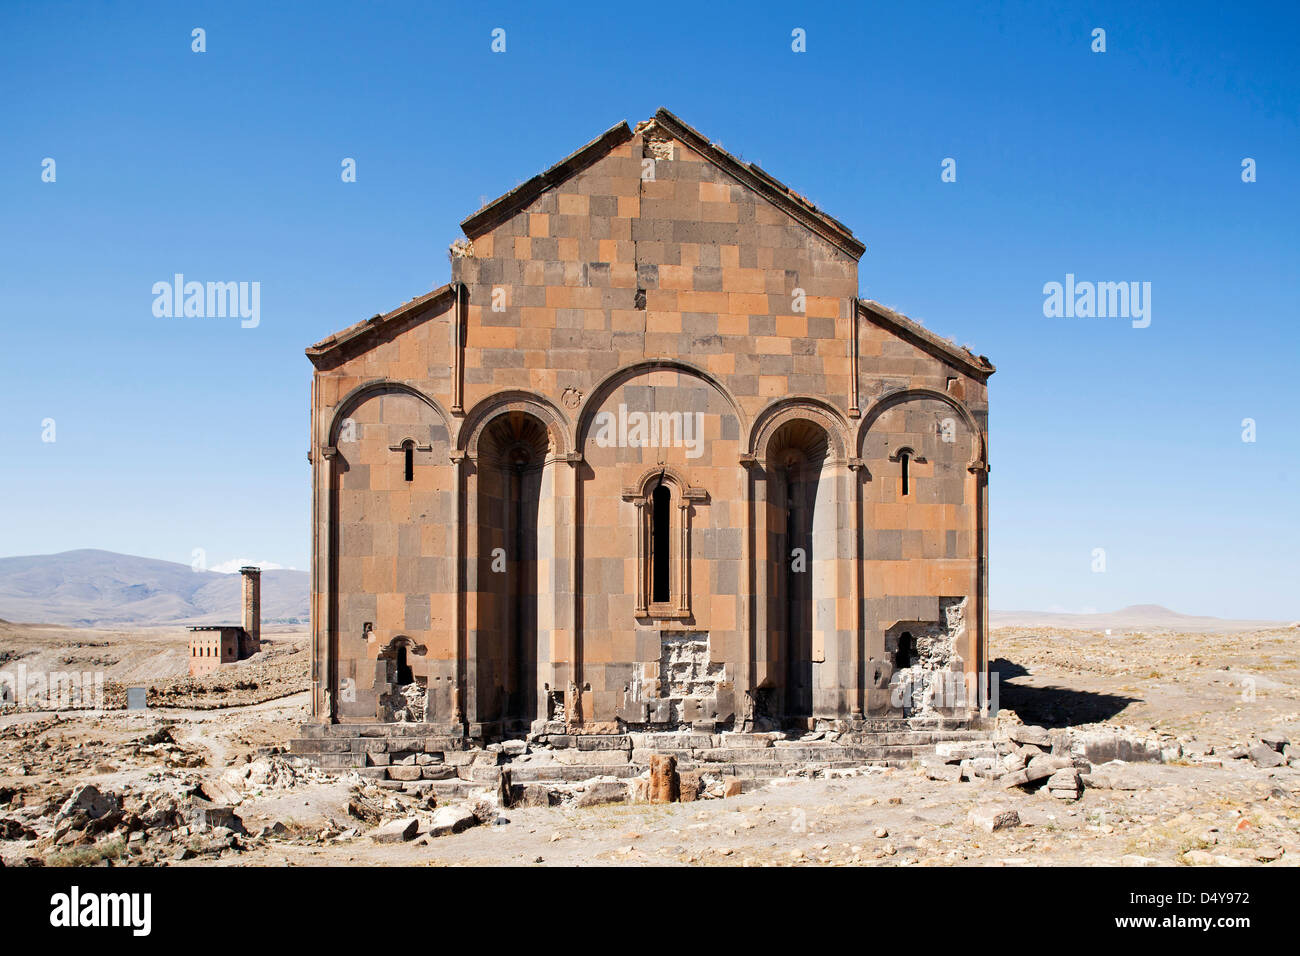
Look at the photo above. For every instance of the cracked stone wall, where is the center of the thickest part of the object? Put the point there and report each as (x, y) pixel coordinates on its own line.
(685, 685)
(934, 655)
(573, 303)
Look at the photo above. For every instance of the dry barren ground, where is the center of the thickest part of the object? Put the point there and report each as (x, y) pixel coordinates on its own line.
(157, 658)
(1205, 698)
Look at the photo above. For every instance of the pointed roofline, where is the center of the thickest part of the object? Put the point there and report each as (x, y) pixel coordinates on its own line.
(914, 332)
(764, 183)
(368, 326)
(505, 206)
(750, 174)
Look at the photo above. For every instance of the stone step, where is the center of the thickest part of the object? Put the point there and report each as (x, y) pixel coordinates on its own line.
(555, 773)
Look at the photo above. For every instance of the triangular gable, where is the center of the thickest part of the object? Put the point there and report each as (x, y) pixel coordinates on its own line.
(357, 335)
(766, 185)
(913, 332)
(503, 207)
(749, 174)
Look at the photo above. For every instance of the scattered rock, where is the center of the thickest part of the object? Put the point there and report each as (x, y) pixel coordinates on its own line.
(992, 819)
(397, 831)
(943, 771)
(1044, 766)
(597, 792)
(1030, 734)
(89, 801)
(1266, 756)
(1017, 779)
(1275, 740)
(453, 819)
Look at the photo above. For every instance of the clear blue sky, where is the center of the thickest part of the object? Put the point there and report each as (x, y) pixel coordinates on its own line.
(177, 434)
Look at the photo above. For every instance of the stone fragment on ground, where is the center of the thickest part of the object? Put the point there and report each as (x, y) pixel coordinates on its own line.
(991, 819)
(454, 819)
(396, 831)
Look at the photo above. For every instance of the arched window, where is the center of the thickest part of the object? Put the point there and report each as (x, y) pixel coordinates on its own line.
(906, 457)
(664, 502)
(408, 447)
(660, 549)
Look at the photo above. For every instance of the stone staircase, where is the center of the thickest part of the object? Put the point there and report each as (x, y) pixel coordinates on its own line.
(451, 765)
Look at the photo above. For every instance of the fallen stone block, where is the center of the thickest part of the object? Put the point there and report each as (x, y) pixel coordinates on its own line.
(1266, 756)
(1031, 734)
(205, 815)
(453, 819)
(89, 801)
(1275, 739)
(535, 795)
(396, 831)
(600, 792)
(405, 772)
(948, 772)
(992, 819)
(1065, 784)
(957, 751)
(219, 791)
(1017, 779)
(688, 783)
(640, 789)
(1043, 766)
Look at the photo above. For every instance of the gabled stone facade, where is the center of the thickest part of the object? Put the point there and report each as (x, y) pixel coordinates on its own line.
(647, 462)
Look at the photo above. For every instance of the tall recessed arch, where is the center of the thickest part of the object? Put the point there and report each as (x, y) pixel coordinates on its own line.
(516, 400)
(785, 410)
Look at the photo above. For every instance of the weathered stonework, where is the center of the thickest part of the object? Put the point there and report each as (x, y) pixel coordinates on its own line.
(646, 462)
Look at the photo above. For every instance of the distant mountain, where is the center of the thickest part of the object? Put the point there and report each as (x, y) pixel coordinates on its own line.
(102, 588)
(1136, 617)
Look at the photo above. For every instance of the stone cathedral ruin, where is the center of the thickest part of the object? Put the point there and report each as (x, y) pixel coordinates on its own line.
(647, 464)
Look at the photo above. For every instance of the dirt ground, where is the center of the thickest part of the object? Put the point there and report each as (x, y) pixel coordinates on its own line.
(1207, 693)
(157, 658)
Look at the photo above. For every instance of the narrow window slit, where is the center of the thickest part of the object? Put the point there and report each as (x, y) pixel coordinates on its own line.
(660, 502)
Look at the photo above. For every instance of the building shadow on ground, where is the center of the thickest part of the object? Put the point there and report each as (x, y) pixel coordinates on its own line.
(1052, 706)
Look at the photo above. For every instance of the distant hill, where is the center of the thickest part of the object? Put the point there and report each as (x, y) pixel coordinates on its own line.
(1136, 617)
(103, 588)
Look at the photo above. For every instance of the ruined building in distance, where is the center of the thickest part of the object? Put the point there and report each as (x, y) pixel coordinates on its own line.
(647, 462)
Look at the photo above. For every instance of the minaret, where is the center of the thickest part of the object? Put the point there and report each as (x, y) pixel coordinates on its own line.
(252, 609)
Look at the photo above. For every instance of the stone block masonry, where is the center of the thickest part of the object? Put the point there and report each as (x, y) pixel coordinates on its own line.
(647, 464)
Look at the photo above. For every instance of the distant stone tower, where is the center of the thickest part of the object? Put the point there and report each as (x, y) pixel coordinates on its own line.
(252, 610)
